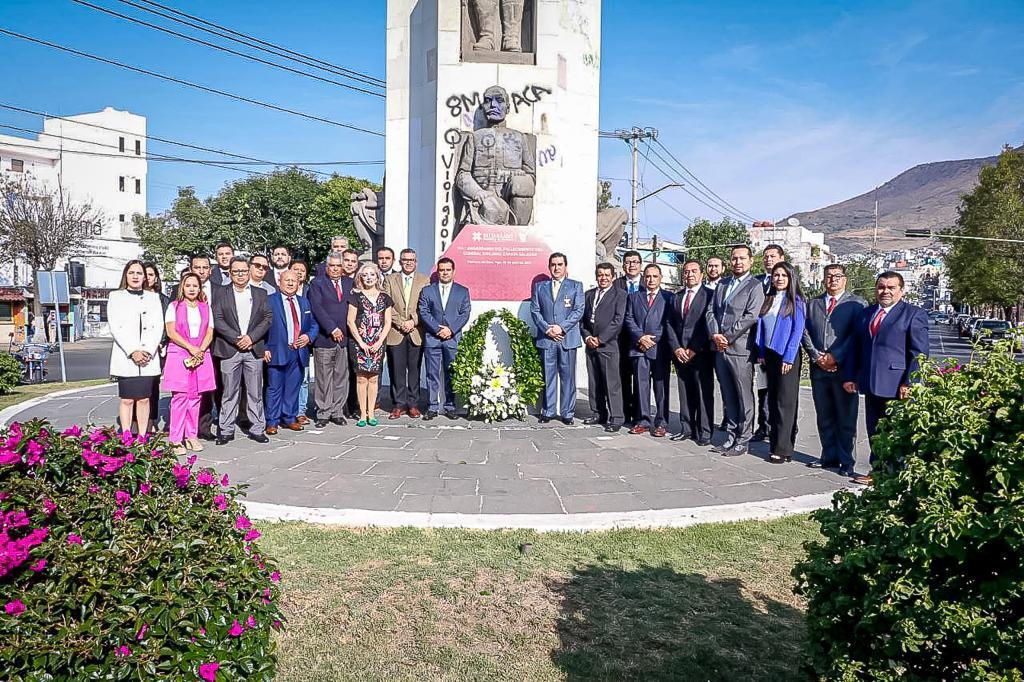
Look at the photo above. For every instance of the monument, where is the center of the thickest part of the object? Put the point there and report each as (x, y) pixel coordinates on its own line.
(492, 138)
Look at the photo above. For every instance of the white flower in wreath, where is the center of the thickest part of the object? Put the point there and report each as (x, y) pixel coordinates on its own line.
(477, 381)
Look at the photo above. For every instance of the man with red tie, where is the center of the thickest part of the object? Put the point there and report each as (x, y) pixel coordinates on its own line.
(647, 315)
(329, 299)
(888, 339)
(692, 356)
(292, 329)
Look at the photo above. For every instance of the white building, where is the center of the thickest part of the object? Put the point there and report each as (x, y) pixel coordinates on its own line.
(804, 248)
(98, 157)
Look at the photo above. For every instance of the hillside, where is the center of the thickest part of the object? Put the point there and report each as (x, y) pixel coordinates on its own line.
(926, 196)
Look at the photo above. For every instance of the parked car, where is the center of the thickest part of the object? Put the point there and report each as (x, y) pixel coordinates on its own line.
(990, 331)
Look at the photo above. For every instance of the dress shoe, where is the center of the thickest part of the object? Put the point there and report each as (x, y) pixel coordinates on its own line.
(639, 430)
(659, 432)
(703, 442)
(224, 440)
(680, 436)
(591, 421)
(294, 426)
(259, 437)
(320, 423)
(338, 421)
(206, 435)
(612, 428)
(736, 451)
(542, 419)
(271, 431)
(395, 413)
(847, 471)
(302, 419)
(863, 480)
(451, 414)
(429, 415)
(568, 421)
(729, 444)
(759, 435)
(415, 413)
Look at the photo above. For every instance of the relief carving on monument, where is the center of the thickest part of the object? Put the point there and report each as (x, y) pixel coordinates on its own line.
(498, 31)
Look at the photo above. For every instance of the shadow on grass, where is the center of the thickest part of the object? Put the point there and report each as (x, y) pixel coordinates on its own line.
(657, 624)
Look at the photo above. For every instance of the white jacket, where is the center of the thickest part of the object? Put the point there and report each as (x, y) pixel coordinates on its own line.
(136, 323)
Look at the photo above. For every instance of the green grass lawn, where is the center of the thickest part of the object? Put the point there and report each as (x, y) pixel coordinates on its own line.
(29, 391)
(710, 602)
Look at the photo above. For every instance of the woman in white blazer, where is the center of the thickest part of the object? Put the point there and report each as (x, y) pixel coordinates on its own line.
(137, 325)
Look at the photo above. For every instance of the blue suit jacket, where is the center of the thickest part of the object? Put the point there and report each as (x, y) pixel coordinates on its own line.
(882, 364)
(278, 340)
(330, 313)
(566, 312)
(433, 315)
(787, 334)
(641, 321)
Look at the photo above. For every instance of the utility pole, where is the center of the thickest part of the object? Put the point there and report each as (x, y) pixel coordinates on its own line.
(633, 137)
(874, 241)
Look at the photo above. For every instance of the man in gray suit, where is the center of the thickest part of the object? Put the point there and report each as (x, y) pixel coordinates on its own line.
(241, 320)
(831, 321)
(732, 323)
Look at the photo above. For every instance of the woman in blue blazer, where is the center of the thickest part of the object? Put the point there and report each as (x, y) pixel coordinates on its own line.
(780, 328)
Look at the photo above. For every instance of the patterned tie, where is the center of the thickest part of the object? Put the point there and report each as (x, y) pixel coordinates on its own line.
(686, 302)
(831, 305)
(407, 288)
(555, 286)
(295, 320)
(877, 322)
(632, 287)
(337, 288)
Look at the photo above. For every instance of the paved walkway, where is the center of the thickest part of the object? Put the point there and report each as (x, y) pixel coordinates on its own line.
(461, 472)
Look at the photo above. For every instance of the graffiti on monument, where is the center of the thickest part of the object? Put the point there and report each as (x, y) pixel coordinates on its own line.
(462, 104)
(453, 142)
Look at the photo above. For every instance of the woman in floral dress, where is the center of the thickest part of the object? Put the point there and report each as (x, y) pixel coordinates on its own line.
(369, 318)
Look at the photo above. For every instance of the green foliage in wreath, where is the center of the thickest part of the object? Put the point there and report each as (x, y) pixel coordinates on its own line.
(921, 577)
(525, 360)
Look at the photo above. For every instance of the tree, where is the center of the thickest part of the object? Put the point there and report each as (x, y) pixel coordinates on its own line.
(705, 239)
(332, 213)
(860, 279)
(187, 228)
(604, 195)
(990, 272)
(41, 226)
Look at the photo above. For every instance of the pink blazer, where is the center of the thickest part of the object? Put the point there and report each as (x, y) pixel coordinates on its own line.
(177, 377)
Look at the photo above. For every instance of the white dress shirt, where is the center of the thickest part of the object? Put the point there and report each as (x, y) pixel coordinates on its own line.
(445, 291)
(243, 305)
(289, 323)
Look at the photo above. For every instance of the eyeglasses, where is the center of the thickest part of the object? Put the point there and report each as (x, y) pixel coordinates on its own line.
(835, 276)
(407, 260)
(261, 266)
(240, 272)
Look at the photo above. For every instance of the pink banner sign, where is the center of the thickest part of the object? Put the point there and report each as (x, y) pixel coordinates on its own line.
(499, 262)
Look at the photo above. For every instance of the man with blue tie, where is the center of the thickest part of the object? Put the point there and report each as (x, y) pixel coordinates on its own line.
(556, 307)
(292, 329)
(444, 310)
(630, 282)
(888, 339)
(648, 312)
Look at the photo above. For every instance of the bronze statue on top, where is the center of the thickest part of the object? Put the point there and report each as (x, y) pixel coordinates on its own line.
(497, 175)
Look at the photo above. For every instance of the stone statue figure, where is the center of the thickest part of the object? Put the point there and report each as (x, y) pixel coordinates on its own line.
(610, 223)
(368, 217)
(486, 14)
(497, 173)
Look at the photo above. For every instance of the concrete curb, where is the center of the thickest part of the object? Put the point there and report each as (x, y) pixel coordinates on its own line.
(658, 518)
(7, 413)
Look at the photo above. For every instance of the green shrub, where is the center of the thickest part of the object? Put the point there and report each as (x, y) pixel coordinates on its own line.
(119, 562)
(10, 372)
(921, 577)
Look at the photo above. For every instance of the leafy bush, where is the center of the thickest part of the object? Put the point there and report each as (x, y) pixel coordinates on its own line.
(922, 576)
(118, 562)
(10, 373)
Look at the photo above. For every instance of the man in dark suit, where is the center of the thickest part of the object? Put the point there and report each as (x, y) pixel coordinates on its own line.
(828, 336)
(444, 310)
(603, 316)
(328, 299)
(293, 328)
(732, 324)
(770, 255)
(338, 244)
(241, 320)
(556, 307)
(694, 362)
(630, 282)
(223, 253)
(888, 338)
(647, 315)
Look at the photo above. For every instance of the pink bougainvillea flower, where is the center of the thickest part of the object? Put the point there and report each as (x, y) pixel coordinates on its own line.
(15, 519)
(35, 451)
(123, 651)
(242, 523)
(72, 432)
(208, 671)
(143, 439)
(14, 435)
(277, 625)
(156, 452)
(220, 502)
(127, 439)
(192, 459)
(121, 498)
(236, 629)
(202, 632)
(38, 566)
(224, 480)
(49, 507)
(142, 631)
(251, 622)
(119, 514)
(74, 539)
(275, 577)
(205, 478)
(181, 475)
(91, 457)
(14, 608)
(94, 489)
(8, 457)
(144, 488)
(252, 535)
(266, 592)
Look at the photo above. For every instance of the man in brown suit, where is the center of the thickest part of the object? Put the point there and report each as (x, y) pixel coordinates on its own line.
(405, 342)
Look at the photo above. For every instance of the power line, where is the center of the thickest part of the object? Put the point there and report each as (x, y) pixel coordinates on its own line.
(714, 203)
(254, 42)
(163, 140)
(226, 49)
(179, 81)
(699, 199)
(698, 181)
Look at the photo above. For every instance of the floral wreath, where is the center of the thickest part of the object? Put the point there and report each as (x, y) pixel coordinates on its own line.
(529, 377)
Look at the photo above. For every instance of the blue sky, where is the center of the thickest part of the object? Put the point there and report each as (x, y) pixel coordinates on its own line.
(778, 107)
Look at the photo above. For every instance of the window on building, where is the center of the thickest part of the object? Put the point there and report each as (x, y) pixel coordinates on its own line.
(17, 166)
(138, 147)
(121, 217)
(6, 311)
(120, 184)
(138, 186)
(120, 144)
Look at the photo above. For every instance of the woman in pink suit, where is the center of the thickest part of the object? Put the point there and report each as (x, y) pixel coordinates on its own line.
(188, 372)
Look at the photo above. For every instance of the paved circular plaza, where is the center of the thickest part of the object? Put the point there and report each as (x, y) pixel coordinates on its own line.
(463, 473)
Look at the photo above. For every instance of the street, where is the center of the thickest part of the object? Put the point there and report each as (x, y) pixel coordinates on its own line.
(944, 343)
(87, 359)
